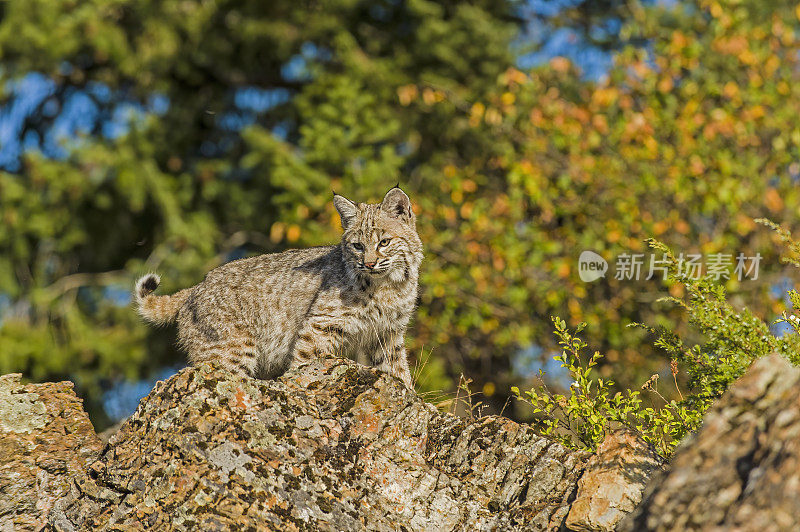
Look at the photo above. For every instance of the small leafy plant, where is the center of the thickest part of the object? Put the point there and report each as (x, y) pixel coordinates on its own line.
(582, 418)
(733, 340)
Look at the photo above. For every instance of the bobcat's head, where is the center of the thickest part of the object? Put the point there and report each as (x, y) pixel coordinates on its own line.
(380, 240)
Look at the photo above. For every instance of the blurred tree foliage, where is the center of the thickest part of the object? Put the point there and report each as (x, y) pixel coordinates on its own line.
(688, 140)
(270, 105)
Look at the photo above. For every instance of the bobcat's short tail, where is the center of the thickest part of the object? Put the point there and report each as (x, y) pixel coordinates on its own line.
(160, 310)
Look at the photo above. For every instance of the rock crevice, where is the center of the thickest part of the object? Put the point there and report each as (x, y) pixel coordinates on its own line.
(741, 470)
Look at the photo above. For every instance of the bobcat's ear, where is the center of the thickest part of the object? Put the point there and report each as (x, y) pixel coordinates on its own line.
(396, 203)
(346, 208)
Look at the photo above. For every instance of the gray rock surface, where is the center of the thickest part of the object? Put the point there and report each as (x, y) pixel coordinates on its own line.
(613, 483)
(338, 446)
(330, 446)
(46, 444)
(741, 471)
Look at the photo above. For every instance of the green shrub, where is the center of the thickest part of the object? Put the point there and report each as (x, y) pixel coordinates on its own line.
(732, 340)
(581, 418)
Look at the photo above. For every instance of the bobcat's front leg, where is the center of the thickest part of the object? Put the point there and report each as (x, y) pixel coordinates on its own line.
(317, 339)
(390, 356)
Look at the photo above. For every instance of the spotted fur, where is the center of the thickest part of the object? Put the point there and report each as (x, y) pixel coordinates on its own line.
(262, 315)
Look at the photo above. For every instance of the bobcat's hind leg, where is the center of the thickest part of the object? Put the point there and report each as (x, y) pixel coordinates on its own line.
(237, 355)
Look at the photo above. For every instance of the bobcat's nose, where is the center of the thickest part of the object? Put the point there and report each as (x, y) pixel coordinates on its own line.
(369, 265)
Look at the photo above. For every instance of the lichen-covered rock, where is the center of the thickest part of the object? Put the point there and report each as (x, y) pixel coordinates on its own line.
(330, 446)
(741, 471)
(46, 443)
(613, 483)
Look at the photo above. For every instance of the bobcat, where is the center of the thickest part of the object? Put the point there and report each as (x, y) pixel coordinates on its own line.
(263, 315)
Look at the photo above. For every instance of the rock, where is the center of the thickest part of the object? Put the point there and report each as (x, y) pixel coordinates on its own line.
(330, 446)
(741, 471)
(613, 482)
(46, 444)
(337, 446)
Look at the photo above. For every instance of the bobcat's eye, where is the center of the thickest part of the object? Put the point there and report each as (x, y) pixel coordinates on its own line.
(384, 242)
(358, 246)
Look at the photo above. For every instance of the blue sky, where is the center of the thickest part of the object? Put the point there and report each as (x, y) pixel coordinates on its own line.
(82, 109)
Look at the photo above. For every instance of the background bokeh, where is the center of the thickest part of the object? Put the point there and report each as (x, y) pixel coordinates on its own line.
(175, 135)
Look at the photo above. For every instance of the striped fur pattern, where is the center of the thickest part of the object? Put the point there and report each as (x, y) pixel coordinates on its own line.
(260, 316)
